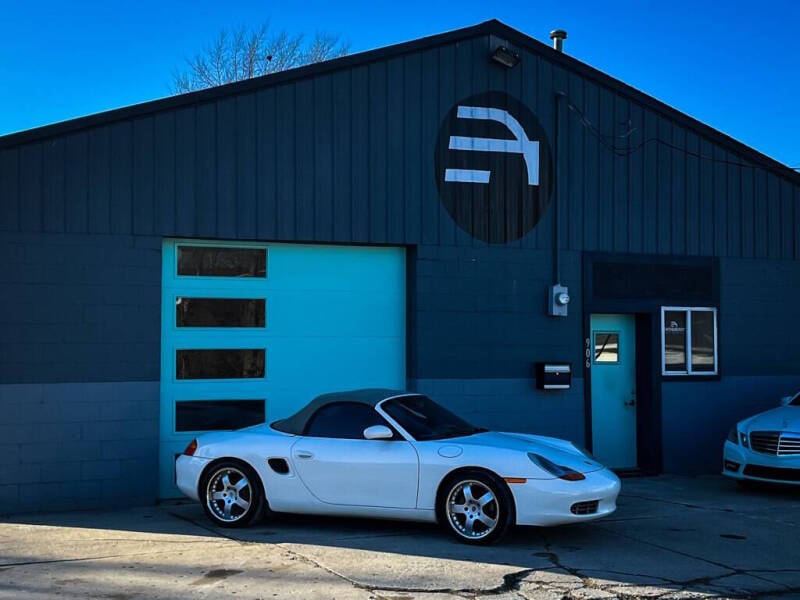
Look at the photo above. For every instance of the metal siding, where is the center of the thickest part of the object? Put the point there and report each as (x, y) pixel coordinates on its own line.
(342, 157)
(9, 189)
(664, 187)
(164, 161)
(774, 216)
(378, 117)
(266, 157)
(761, 212)
(693, 198)
(143, 176)
(206, 173)
(542, 103)
(245, 171)
(430, 122)
(573, 183)
(446, 98)
(706, 200)
(121, 178)
(30, 188)
(226, 191)
(412, 109)
(185, 172)
(591, 171)
(636, 200)
(396, 153)
(324, 146)
(346, 156)
(285, 162)
(787, 221)
(361, 150)
(76, 183)
(304, 160)
(621, 193)
(720, 184)
(748, 213)
(650, 153)
(678, 196)
(53, 186)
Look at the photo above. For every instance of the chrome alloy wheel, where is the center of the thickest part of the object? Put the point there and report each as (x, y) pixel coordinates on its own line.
(229, 495)
(472, 509)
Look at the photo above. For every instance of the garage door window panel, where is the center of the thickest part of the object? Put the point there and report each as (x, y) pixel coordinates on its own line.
(220, 312)
(217, 261)
(249, 363)
(217, 415)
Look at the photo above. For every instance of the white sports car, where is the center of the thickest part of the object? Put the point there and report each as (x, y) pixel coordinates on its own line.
(766, 447)
(397, 455)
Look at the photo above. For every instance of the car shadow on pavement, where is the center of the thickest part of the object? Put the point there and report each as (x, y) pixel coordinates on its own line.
(682, 535)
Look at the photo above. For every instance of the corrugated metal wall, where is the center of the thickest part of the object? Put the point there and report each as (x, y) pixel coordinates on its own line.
(347, 156)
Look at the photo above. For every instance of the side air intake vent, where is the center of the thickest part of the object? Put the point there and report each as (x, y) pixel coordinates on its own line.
(279, 465)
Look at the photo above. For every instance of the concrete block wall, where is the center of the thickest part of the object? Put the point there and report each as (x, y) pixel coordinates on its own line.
(79, 371)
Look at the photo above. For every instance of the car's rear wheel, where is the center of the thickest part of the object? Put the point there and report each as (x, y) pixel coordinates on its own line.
(231, 493)
(476, 507)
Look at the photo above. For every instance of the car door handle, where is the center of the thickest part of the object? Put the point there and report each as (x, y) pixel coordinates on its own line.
(304, 454)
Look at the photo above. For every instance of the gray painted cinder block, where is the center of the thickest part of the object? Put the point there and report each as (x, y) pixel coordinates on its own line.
(53, 461)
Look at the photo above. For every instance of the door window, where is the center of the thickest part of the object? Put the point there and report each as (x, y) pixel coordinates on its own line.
(344, 420)
(606, 347)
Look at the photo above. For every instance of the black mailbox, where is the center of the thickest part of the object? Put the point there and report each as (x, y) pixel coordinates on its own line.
(553, 376)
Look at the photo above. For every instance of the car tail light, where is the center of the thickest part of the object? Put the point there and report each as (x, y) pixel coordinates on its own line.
(191, 448)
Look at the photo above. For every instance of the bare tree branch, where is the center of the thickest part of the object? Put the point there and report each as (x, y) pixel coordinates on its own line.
(244, 53)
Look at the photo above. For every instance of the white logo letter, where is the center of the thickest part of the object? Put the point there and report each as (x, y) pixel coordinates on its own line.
(519, 145)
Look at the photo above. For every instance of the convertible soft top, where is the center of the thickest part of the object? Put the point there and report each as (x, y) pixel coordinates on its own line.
(296, 424)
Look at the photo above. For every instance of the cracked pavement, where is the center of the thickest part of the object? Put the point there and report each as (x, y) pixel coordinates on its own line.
(672, 538)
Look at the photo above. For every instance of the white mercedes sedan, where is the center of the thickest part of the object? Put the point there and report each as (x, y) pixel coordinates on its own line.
(397, 455)
(766, 447)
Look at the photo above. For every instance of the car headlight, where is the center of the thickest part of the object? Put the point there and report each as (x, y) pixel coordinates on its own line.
(559, 471)
(743, 439)
(733, 435)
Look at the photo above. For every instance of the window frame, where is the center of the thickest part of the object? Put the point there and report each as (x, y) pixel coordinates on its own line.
(689, 372)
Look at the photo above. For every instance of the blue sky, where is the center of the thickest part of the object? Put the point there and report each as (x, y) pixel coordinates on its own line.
(734, 65)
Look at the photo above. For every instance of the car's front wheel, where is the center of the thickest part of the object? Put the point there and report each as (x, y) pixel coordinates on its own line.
(476, 507)
(231, 494)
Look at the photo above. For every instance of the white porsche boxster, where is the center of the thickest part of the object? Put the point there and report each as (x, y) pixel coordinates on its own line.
(397, 455)
(766, 447)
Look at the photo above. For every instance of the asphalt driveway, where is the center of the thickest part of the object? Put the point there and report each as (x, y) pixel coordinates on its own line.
(672, 538)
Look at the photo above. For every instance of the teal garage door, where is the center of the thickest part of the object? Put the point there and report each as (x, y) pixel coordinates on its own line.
(251, 332)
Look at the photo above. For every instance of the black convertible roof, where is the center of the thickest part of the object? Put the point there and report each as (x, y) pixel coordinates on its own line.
(296, 424)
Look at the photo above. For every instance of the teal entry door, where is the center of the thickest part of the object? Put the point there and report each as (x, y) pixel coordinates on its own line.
(613, 346)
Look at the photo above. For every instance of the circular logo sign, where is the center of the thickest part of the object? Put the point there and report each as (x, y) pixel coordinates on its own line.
(493, 167)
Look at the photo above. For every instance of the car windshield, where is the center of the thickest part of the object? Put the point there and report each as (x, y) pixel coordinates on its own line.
(796, 400)
(425, 420)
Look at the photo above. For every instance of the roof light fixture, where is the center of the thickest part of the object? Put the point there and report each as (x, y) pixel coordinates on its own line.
(508, 58)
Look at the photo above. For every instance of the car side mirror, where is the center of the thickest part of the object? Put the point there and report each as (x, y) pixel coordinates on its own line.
(378, 432)
(786, 399)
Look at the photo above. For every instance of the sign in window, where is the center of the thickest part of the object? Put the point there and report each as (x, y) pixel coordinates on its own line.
(689, 341)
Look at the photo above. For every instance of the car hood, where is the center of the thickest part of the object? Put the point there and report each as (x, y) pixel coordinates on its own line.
(777, 419)
(559, 451)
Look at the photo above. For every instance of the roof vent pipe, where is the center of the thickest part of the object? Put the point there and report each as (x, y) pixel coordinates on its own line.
(558, 36)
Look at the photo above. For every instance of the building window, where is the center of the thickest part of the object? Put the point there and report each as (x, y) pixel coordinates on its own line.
(688, 341)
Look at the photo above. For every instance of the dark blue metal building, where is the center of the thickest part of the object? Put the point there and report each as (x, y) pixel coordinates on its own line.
(473, 215)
